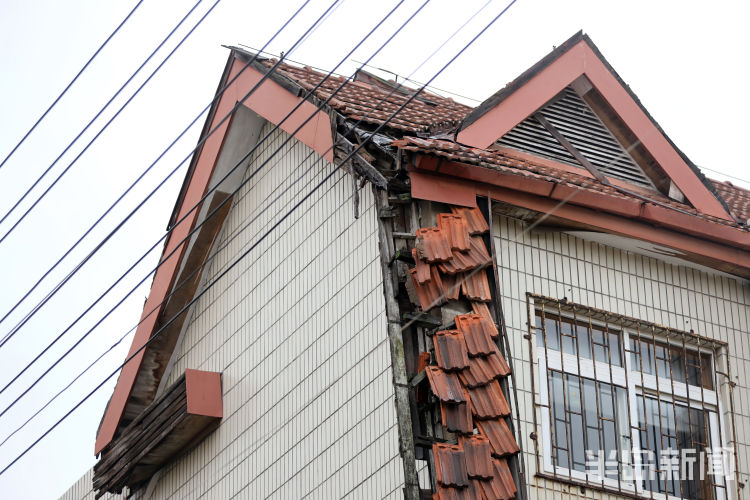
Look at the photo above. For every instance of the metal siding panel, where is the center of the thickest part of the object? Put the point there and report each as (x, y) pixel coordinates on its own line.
(297, 329)
(621, 282)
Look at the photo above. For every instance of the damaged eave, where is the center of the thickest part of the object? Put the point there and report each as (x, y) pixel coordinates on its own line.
(694, 238)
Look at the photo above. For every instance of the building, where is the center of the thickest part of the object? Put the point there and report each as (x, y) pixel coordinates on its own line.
(471, 302)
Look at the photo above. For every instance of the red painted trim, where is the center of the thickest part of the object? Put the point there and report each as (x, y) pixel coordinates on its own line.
(600, 210)
(442, 189)
(271, 101)
(581, 60)
(581, 171)
(203, 391)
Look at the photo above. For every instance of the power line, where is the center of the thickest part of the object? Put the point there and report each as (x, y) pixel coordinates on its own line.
(177, 287)
(70, 84)
(208, 216)
(96, 116)
(265, 235)
(132, 185)
(36, 308)
(216, 209)
(406, 78)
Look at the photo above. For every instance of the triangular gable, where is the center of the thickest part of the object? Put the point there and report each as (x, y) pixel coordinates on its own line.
(578, 60)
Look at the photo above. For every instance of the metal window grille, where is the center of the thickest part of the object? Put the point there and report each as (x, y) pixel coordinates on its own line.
(629, 406)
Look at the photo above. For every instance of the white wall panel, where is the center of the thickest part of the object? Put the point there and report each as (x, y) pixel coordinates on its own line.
(560, 265)
(298, 331)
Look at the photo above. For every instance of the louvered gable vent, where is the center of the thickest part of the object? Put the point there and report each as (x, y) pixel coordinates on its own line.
(576, 121)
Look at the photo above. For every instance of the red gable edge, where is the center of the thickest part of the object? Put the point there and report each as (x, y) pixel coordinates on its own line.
(577, 57)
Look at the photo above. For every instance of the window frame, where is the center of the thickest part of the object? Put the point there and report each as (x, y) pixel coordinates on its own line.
(632, 379)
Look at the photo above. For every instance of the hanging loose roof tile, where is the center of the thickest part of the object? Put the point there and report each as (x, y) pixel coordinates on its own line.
(457, 417)
(457, 230)
(469, 363)
(450, 350)
(476, 333)
(474, 286)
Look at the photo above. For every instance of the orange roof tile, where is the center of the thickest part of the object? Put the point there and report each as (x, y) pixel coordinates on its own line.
(481, 308)
(422, 275)
(450, 350)
(450, 465)
(501, 439)
(474, 218)
(487, 401)
(372, 103)
(446, 386)
(476, 256)
(457, 229)
(475, 286)
(451, 286)
(736, 198)
(433, 245)
(478, 458)
(476, 334)
(457, 417)
(431, 292)
(501, 487)
(484, 369)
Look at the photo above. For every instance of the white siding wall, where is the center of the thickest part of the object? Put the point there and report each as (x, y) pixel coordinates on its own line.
(82, 489)
(298, 331)
(560, 265)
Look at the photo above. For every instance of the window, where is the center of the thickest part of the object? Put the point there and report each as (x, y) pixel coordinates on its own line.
(628, 405)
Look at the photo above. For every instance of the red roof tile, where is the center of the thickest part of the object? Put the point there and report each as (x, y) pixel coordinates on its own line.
(484, 369)
(736, 198)
(451, 286)
(501, 486)
(457, 417)
(449, 493)
(474, 218)
(487, 401)
(481, 308)
(457, 229)
(450, 465)
(430, 293)
(433, 244)
(476, 333)
(422, 275)
(450, 350)
(501, 439)
(478, 458)
(475, 286)
(445, 386)
(372, 103)
(476, 256)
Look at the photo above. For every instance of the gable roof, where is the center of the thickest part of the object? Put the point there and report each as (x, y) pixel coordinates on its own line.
(425, 118)
(575, 58)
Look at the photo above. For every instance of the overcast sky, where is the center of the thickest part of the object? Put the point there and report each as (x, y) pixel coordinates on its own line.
(686, 61)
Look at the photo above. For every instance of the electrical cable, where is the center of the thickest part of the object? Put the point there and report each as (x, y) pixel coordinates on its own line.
(349, 156)
(177, 287)
(195, 229)
(142, 175)
(96, 116)
(70, 84)
(72, 273)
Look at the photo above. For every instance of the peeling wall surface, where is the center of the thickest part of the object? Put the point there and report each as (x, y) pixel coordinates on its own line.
(559, 265)
(298, 331)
